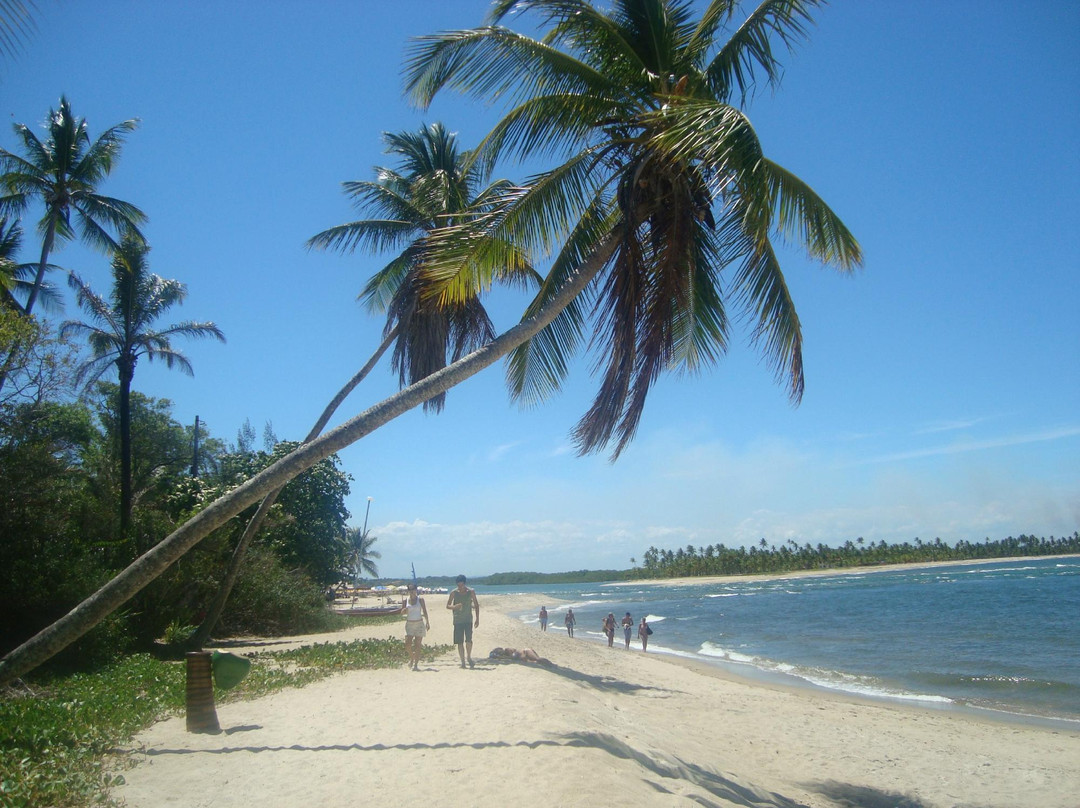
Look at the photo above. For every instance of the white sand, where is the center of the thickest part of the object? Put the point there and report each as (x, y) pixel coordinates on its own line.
(606, 727)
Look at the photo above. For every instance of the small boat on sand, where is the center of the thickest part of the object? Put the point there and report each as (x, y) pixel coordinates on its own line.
(370, 611)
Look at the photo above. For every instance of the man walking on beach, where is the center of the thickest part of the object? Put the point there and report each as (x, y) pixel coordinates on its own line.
(462, 602)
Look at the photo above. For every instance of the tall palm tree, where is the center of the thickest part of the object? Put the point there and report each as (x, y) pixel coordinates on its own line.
(64, 172)
(122, 330)
(435, 184)
(644, 93)
(642, 99)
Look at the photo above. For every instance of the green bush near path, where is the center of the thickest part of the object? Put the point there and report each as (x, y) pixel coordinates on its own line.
(57, 732)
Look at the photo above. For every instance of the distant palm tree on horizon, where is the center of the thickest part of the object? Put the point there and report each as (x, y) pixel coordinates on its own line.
(361, 557)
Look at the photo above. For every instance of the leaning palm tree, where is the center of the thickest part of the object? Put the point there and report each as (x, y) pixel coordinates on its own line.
(434, 185)
(64, 172)
(664, 186)
(122, 330)
(645, 98)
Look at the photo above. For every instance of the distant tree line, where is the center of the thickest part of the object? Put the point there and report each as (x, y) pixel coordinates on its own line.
(790, 556)
(763, 558)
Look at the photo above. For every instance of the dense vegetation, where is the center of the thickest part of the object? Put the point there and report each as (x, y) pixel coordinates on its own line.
(60, 481)
(56, 734)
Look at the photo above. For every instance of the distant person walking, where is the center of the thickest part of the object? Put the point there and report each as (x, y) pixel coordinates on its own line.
(570, 621)
(643, 632)
(462, 602)
(627, 628)
(543, 618)
(416, 625)
(609, 628)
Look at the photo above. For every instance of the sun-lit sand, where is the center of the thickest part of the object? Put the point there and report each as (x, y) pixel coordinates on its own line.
(604, 727)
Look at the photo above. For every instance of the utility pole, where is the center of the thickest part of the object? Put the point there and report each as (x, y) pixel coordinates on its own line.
(195, 456)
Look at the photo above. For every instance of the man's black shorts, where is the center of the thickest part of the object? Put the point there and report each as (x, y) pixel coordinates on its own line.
(462, 633)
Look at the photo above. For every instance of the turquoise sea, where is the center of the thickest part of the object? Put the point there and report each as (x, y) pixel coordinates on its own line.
(999, 637)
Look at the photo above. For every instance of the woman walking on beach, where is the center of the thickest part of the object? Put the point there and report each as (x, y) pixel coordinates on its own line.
(416, 625)
(609, 628)
(570, 621)
(643, 632)
(627, 627)
(543, 618)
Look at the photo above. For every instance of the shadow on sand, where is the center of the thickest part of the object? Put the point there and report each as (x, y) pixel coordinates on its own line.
(846, 795)
(604, 683)
(664, 779)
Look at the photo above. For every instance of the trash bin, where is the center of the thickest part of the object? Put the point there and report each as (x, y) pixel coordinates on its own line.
(229, 669)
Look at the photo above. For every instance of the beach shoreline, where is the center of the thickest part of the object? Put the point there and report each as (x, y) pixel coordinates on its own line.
(779, 576)
(600, 722)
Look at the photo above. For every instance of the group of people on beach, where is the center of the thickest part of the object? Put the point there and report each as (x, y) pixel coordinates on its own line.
(466, 608)
(608, 625)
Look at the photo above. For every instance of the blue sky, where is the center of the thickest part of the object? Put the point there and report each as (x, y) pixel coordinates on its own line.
(943, 382)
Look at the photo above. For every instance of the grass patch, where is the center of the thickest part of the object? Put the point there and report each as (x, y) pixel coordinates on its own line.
(56, 733)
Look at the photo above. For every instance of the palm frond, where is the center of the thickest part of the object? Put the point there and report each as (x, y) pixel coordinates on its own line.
(491, 62)
(381, 287)
(762, 292)
(369, 234)
(750, 49)
(535, 370)
(804, 218)
(95, 164)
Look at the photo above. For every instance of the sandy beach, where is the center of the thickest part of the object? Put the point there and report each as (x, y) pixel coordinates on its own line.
(602, 727)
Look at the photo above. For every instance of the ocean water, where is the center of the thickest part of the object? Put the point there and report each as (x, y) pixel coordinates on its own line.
(1001, 637)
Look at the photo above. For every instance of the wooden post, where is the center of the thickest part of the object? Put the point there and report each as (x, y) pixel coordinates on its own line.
(201, 715)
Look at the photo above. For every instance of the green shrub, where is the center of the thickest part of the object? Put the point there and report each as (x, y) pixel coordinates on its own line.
(269, 599)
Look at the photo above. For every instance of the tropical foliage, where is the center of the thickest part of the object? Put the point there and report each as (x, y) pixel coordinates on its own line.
(59, 479)
(63, 174)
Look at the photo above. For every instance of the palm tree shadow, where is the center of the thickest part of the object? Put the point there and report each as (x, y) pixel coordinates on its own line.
(724, 788)
(847, 795)
(605, 683)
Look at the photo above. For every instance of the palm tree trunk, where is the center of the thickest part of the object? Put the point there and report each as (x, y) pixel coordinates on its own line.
(217, 606)
(46, 248)
(127, 371)
(152, 563)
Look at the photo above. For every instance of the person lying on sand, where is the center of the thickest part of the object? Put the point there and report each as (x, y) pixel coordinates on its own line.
(524, 655)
